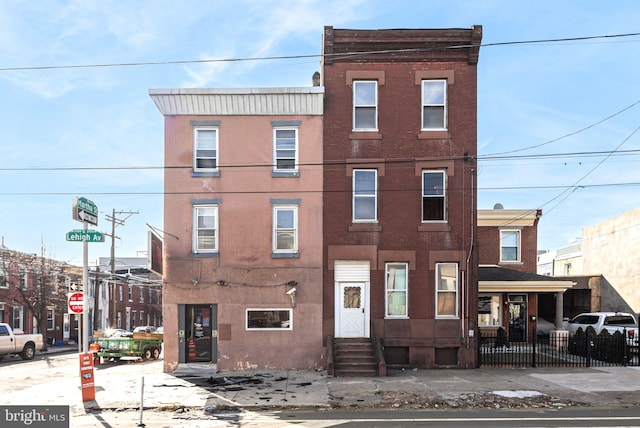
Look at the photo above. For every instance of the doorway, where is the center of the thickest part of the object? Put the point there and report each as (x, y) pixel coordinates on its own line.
(200, 333)
(517, 317)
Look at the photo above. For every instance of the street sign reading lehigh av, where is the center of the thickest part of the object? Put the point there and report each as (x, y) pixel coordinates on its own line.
(85, 211)
(81, 235)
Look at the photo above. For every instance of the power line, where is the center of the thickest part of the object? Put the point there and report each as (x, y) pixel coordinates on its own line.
(480, 158)
(289, 57)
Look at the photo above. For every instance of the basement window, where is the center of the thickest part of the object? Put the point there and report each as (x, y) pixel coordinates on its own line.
(269, 319)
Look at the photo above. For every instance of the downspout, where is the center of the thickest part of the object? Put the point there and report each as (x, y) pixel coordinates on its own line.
(471, 241)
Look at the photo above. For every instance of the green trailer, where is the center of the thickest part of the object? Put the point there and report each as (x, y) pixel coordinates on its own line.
(139, 347)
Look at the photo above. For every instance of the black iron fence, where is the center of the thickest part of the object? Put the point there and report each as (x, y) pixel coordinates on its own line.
(558, 349)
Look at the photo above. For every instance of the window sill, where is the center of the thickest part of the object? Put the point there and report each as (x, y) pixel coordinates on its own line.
(399, 317)
(434, 227)
(285, 174)
(214, 254)
(365, 135)
(447, 318)
(511, 262)
(365, 227)
(196, 174)
(285, 255)
(434, 135)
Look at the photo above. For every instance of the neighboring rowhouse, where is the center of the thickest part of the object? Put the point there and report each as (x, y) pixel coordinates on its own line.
(511, 294)
(400, 145)
(242, 220)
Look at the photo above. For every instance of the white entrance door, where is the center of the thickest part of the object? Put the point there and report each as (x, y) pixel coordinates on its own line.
(352, 310)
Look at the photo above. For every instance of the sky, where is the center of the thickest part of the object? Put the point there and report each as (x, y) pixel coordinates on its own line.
(557, 120)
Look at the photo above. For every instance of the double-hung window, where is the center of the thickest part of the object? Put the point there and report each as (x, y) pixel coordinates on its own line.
(433, 196)
(509, 245)
(447, 290)
(285, 149)
(365, 195)
(365, 105)
(205, 149)
(285, 229)
(205, 228)
(396, 284)
(434, 104)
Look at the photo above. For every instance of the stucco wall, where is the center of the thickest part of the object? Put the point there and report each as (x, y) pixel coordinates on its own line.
(611, 248)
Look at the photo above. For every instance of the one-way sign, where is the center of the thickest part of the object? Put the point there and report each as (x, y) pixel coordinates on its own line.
(85, 211)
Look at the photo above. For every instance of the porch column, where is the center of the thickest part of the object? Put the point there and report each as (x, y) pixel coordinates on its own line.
(559, 305)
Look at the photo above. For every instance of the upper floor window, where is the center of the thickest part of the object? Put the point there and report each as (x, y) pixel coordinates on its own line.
(365, 105)
(3, 278)
(509, 245)
(365, 195)
(447, 290)
(285, 229)
(142, 295)
(285, 149)
(121, 293)
(205, 229)
(433, 196)
(396, 284)
(131, 293)
(205, 149)
(434, 104)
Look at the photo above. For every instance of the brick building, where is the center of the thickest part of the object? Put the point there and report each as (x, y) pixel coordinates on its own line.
(399, 191)
(242, 282)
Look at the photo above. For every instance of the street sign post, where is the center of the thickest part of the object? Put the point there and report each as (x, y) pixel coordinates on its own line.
(80, 235)
(85, 211)
(76, 303)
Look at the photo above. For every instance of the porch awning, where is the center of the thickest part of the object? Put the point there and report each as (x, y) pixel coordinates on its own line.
(495, 279)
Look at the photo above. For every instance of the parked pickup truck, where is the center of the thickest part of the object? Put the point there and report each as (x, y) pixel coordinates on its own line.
(610, 321)
(25, 345)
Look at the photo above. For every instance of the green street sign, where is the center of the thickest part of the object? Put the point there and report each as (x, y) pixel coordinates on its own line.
(85, 211)
(85, 235)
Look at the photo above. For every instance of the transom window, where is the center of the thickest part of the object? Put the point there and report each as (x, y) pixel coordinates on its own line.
(434, 104)
(285, 229)
(365, 105)
(396, 285)
(205, 150)
(285, 149)
(509, 245)
(365, 195)
(447, 290)
(433, 196)
(205, 228)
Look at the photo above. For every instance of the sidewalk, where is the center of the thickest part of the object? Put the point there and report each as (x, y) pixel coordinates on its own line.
(199, 386)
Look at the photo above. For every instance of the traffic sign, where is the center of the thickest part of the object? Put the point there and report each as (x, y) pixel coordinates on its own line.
(76, 303)
(82, 235)
(85, 211)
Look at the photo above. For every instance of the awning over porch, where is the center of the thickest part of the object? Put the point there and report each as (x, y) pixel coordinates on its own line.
(495, 279)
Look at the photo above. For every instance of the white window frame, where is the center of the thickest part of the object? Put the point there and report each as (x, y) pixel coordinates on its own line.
(276, 231)
(197, 147)
(434, 194)
(288, 328)
(362, 195)
(198, 211)
(51, 318)
(510, 232)
(130, 293)
(495, 308)
(391, 289)
(17, 317)
(276, 149)
(443, 287)
(429, 103)
(358, 105)
(4, 278)
(141, 294)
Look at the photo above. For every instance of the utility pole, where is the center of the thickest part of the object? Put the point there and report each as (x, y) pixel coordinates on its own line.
(112, 289)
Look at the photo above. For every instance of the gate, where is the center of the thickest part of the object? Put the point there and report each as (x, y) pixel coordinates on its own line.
(579, 350)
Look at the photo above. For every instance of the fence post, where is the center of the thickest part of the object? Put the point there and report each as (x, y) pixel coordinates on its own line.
(533, 357)
(587, 343)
